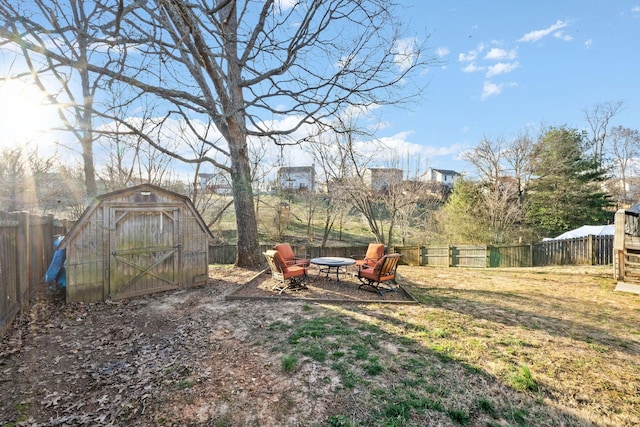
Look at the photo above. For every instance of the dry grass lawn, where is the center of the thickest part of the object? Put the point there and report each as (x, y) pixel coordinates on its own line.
(561, 336)
(489, 347)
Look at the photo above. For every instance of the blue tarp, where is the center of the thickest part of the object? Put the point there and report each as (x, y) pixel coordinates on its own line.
(56, 271)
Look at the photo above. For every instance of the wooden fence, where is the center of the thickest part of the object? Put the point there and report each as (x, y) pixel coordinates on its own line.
(590, 250)
(226, 254)
(26, 249)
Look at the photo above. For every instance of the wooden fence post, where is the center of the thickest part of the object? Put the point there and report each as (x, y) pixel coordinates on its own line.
(591, 249)
(23, 260)
(47, 235)
(531, 254)
(618, 245)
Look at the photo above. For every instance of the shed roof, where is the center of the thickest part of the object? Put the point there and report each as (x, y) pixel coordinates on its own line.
(142, 187)
(634, 210)
(588, 230)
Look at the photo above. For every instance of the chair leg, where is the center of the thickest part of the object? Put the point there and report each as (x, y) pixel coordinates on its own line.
(294, 284)
(377, 287)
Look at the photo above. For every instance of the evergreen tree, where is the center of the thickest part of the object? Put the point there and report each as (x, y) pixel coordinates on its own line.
(566, 192)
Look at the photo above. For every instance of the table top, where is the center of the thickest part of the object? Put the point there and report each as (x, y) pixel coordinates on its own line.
(333, 261)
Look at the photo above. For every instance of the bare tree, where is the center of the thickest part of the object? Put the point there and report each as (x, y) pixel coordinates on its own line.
(239, 63)
(27, 181)
(598, 118)
(332, 170)
(487, 158)
(343, 169)
(12, 176)
(348, 178)
(625, 146)
(504, 169)
(58, 40)
(517, 155)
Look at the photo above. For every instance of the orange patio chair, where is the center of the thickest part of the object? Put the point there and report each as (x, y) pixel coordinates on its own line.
(289, 257)
(380, 277)
(375, 251)
(286, 276)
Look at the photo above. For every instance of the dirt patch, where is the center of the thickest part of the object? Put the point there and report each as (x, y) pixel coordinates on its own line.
(320, 287)
(194, 358)
(185, 355)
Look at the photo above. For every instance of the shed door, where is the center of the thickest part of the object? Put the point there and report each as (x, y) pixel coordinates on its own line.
(144, 251)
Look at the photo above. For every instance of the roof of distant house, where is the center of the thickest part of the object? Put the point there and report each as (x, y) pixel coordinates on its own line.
(295, 168)
(447, 172)
(385, 169)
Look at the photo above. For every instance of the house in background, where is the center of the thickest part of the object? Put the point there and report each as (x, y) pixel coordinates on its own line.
(296, 178)
(215, 183)
(624, 193)
(441, 176)
(379, 179)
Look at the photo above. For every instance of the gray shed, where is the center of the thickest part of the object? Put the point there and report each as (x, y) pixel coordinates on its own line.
(136, 241)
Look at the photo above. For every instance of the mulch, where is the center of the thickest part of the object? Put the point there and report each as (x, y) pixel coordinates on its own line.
(319, 288)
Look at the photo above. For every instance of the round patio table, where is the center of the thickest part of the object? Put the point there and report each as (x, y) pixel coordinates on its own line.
(329, 263)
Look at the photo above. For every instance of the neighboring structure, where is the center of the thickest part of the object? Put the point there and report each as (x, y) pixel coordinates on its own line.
(379, 179)
(136, 241)
(626, 249)
(215, 183)
(588, 230)
(296, 178)
(623, 191)
(441, 176)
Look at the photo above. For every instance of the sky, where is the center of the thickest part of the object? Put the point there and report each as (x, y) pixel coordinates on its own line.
(510, 65)
(503, 67)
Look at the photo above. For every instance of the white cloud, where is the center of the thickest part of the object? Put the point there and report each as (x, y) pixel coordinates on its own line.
(441, 52)
(284, 5)
(356, 111)
(407, 53)
(635, 9)
(468, 57)
(444, 150)
(383, 125)
(499, 54)
(536, 35)
(400, 146)
(588, 43)
(472, 55)
(502, 68)
(472, 67)
(491, 89)
(562, 36)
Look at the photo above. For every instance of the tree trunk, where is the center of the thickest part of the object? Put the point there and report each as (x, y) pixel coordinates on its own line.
(248, 248)
(89, 169)
(86, 123)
